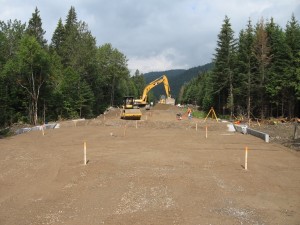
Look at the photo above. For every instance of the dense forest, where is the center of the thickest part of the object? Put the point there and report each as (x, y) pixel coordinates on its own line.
(256, 75)
(70, 77)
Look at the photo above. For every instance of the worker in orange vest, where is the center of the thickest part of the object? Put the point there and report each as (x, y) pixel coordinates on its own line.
(189, 112)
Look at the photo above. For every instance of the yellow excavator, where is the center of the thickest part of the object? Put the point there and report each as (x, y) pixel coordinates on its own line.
(129, 110)
(168, 100)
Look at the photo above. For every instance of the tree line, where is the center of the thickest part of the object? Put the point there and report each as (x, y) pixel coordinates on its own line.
(71, 77)
(256, 75)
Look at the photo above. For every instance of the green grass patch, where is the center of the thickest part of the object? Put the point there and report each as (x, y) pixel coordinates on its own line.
(199, 114)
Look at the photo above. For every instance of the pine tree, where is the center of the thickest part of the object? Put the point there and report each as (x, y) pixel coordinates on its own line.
(262, 54)
(139, 82)
(277, 79)
(35, 28)
(293, 42)
(70, 39)
(224, 66)
(245, 67)
(58, 38)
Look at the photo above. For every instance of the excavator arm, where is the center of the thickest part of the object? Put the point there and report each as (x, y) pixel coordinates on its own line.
(162, 79)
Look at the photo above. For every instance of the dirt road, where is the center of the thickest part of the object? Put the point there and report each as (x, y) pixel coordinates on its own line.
(157, 171)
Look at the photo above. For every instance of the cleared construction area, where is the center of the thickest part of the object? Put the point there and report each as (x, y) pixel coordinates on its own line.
(159, 170)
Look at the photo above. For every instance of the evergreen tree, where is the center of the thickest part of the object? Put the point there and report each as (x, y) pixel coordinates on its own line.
(224, 67)
(263, 57)
(35, 28)
(58, 38)
(207, 100)
(139, 82)
(245, 69)
(112, 67)
(293, 42)
(69, 51)
(277, 79)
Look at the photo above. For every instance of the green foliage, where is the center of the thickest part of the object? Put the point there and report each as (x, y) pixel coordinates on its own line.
(77, 96)
(140, 83)
(258, 78)
(113, 70)
(199, 114)
(31, 68)
(35, 28)
(224, 67)
(72, 77)
(11, 95)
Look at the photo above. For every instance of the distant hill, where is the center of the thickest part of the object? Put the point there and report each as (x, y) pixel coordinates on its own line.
(176, 78)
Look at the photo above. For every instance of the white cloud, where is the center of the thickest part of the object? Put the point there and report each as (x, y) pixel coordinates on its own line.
(155, 34)
(156, 62)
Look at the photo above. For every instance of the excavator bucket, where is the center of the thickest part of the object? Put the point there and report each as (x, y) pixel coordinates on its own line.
(170, 101)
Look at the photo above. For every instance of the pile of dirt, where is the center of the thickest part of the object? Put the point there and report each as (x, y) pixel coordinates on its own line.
(163, 107)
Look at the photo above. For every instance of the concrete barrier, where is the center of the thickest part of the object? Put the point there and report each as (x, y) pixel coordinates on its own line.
(45, 127)
(241, 128)
(264, 136)
(246, 130)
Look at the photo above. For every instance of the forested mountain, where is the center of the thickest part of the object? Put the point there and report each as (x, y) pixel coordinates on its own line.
(176, 79)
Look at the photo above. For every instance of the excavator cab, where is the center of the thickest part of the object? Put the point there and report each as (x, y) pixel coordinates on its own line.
(129, 110)
(168, 100)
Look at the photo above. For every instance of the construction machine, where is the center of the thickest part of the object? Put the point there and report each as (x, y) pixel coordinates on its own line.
(163, 79)
(129, 110)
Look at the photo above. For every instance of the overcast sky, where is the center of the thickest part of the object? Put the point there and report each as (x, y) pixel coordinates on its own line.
(155, 35)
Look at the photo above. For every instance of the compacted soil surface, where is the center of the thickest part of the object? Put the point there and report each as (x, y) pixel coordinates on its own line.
(159, 170)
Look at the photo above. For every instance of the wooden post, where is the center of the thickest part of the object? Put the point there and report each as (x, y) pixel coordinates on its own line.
(246, 158)
(205, 131)
(125, 130)
(296, 130)
(196, 126)
(84, 153)
(43, 130)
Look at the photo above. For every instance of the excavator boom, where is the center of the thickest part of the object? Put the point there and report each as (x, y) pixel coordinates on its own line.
(162, 79)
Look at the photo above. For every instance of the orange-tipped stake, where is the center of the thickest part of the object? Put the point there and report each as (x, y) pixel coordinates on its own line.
(84, 153)
(124, 130)
(205, 131)
(246, 158)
